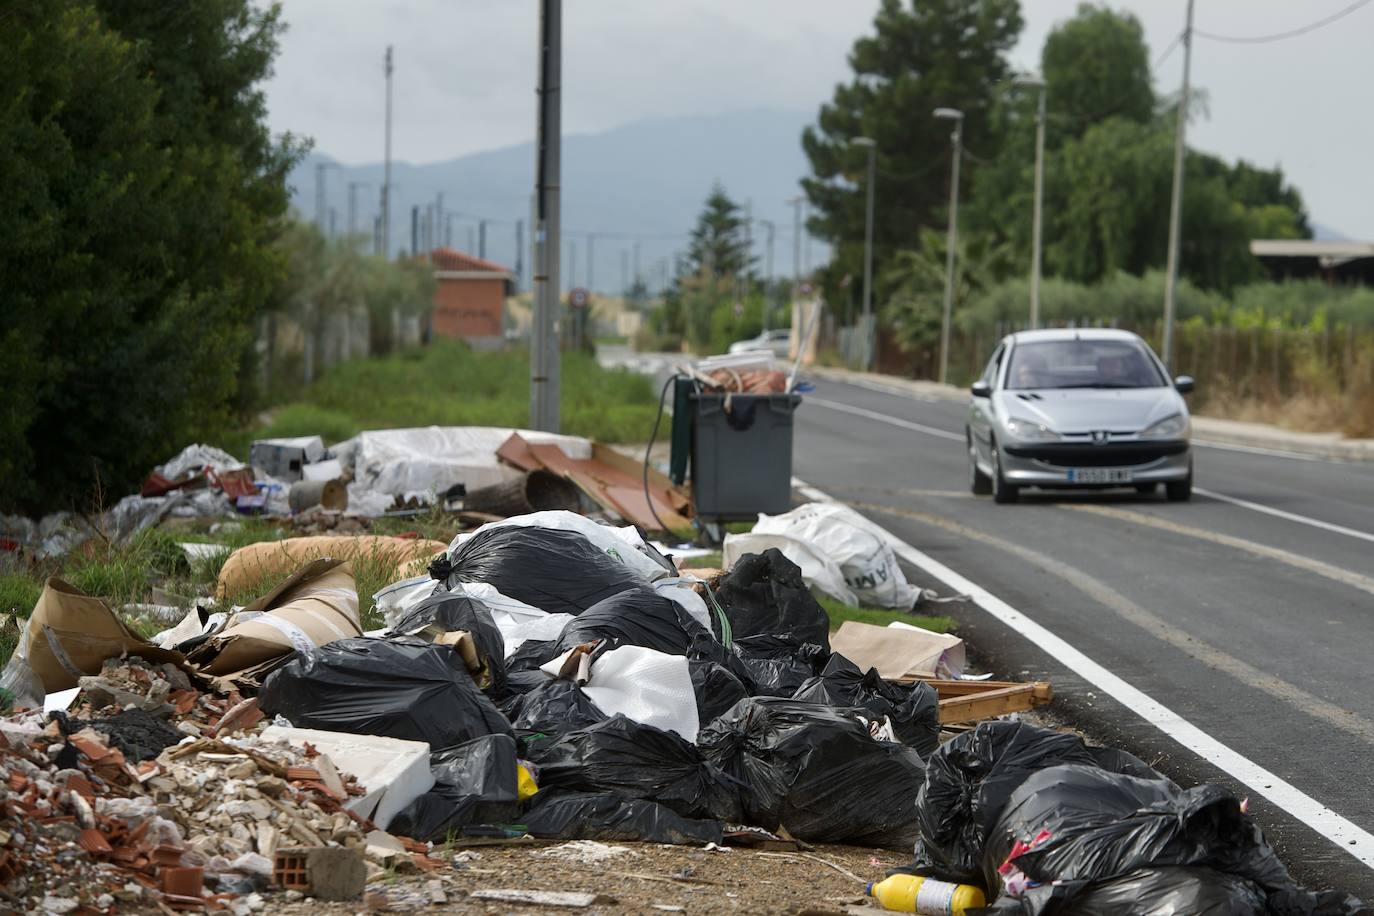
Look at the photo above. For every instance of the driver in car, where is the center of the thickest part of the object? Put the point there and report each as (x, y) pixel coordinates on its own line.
(1030, 371)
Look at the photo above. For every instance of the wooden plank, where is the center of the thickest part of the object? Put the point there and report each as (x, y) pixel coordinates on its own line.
(989, 704)
(960, 688)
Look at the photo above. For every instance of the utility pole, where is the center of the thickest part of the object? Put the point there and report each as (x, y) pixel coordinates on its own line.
(591, 270)
(796, 203)
(414, 229)
(482, 239)
(769, 225)
(353, 187)
(637, 276)
(386, 175)
(952, 240)
(625, 272)
(333, 219)
(806, 239)
(321, 211)
(1039, 214)
(871, 145)
(519, 254)
(438, 220)
(1176, 200)
(544, 355)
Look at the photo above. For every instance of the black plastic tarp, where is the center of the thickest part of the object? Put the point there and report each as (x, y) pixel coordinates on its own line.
(815, 770)
(606, 816)
(446, 613)
(474, 783)
(775, 666)
(397, 688)
(556, 571)
(639, 761)
(1068, 828)
(913, 710)
(765, 593)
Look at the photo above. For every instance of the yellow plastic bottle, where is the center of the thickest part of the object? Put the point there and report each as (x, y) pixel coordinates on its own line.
(926, 896)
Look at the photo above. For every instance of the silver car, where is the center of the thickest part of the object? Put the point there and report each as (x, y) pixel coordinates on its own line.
(1078, 409)
(777, 341)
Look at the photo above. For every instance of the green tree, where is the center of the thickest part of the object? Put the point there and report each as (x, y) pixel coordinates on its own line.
(718, 245)
(1096, 66)
(135, 247)
(920, 56)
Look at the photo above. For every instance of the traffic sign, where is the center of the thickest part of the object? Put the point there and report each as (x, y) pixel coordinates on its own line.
(579, 298)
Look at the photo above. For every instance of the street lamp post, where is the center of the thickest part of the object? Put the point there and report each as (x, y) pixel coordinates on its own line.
(1035, 82)
(956, 139)
(869, 144)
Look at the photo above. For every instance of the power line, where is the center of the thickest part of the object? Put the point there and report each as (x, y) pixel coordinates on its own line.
(1178, 39)
(1280, 36)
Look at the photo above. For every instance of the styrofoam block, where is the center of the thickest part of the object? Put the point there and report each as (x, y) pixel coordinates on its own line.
(393, 771)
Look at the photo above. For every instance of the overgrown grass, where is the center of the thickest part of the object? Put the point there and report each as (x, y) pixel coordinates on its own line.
(449, 384)
(840, 612)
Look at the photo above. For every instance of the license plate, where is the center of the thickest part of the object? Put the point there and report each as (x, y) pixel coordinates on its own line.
(1100, 475)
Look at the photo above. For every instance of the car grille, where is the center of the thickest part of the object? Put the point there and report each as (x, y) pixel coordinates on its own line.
(1098, 456)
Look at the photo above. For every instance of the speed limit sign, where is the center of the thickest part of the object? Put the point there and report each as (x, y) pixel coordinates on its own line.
(579, 298)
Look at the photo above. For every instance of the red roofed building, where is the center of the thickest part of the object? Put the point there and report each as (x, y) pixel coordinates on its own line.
(470, 299)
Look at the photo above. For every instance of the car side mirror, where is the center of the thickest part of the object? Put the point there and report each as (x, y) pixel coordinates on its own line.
(981, 389)
(1184, 384)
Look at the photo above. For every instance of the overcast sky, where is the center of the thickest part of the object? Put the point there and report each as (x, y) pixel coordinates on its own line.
(465, 72)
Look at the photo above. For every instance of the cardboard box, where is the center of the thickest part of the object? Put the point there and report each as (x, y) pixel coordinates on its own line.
(900, 650)
(285, 458)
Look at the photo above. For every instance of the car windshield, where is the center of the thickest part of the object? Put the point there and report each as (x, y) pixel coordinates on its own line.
(1082, 364)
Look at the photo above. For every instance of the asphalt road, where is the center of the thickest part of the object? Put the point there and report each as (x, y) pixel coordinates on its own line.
(1257, 629)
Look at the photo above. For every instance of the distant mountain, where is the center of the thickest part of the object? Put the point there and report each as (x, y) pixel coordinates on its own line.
(645, 181)
(1327, 234)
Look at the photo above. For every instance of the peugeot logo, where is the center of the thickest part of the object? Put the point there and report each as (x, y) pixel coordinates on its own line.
(1100, 436)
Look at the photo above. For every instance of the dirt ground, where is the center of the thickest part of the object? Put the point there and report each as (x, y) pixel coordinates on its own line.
(640, 877)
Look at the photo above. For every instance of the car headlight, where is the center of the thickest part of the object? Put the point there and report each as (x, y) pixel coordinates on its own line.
(1175, 427)
(1029, 430)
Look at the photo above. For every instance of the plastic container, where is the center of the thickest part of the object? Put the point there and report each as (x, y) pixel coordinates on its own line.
(742, 457)
(926, 896)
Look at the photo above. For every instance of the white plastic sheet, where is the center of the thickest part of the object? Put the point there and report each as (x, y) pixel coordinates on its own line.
(835, 531)
(650, 687)
(433, 458)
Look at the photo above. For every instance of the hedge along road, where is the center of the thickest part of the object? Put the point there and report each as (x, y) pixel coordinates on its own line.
(1226, 640)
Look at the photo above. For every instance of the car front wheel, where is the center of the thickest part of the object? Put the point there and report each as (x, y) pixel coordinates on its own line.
(978, 482)
(1180, 491)
(1002, 492)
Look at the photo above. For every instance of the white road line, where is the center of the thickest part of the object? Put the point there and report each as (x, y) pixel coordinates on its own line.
(1290, 516)
(883, 418)
(1271, 452)
(1340, 831)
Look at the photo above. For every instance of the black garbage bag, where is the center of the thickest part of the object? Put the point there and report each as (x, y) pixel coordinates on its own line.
(777, 665)
(815, 771)
(639, 617)
(549, 711)
(606, 816)
(913, 710)
(638, 761)
(717, 688)
(969, 779)
(553, 570)
(474, 783)
(446, 613)
(764, 593)
(1191, 891)
(396, 688)
(1069, 827)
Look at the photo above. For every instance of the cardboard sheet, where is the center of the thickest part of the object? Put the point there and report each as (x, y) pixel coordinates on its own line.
(899, 651)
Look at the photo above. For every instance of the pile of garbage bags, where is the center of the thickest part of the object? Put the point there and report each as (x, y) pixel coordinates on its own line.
(641, 705)
(1049, 825)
